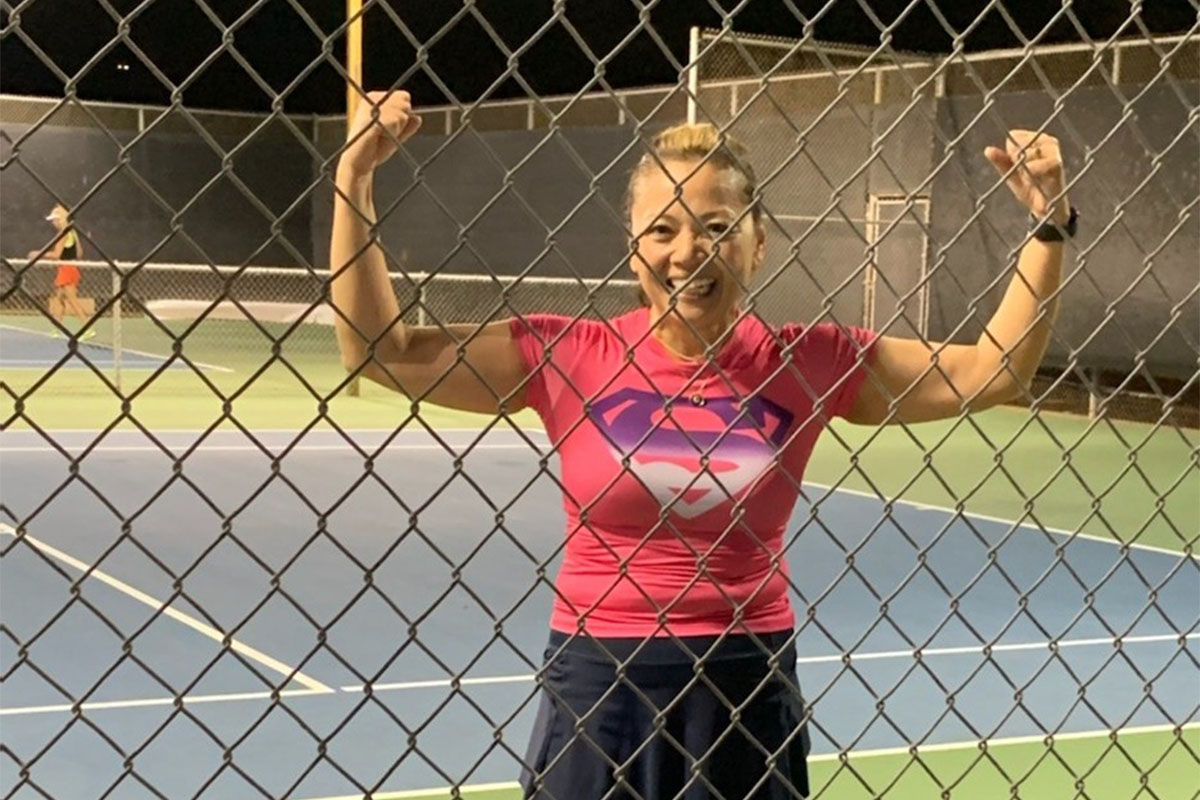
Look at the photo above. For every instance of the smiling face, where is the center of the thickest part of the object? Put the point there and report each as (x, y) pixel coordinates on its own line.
(697, 244)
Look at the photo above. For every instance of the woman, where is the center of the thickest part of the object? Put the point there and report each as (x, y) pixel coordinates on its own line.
(65, 249)
(683, 430)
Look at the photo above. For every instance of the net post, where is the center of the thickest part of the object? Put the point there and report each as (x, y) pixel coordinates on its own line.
(870, 273)
(116, 326)
(1093, 388)
(925, 300)
(421, 297)
(693, 72)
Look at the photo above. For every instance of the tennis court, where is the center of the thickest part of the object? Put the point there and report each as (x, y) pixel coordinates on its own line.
(270, 539)
(254, 498)
(382, 570)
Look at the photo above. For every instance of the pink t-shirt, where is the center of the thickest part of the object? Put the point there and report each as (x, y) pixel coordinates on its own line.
(679, 478)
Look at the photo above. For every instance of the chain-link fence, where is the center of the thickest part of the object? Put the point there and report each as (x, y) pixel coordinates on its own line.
(876, 130)
(227, 572)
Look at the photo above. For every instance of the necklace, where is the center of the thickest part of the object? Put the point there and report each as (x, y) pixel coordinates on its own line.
(704, 362)
(700, 387)
(697, 386)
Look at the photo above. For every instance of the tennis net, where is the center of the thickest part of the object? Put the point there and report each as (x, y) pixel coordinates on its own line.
(234, 322)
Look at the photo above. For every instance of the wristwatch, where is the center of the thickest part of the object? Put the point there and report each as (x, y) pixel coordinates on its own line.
(1049, 231)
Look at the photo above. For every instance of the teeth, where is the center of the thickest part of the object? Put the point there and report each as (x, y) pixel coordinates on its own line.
(702, 286)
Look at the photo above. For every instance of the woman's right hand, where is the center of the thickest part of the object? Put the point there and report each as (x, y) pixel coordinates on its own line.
(372, 140)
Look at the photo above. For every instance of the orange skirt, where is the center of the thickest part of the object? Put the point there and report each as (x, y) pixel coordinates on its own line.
(68, 275)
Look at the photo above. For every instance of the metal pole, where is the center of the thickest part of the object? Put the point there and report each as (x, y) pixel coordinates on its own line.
(1093, 387)
(116, 325)
(872, 231)
(693, 72)
(353, 95)
(353, 58)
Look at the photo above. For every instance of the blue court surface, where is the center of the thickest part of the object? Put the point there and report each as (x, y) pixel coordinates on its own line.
(21, 348)
(392, 594)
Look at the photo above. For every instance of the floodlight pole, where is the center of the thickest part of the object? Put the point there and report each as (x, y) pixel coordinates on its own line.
(693, 72)
(354, 87)
(353, 58)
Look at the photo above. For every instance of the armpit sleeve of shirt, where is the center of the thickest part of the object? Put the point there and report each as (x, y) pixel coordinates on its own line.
(833, 361)
(538, 338)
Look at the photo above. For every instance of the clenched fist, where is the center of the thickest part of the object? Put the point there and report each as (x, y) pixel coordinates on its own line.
(383, 121)
(1037, 180)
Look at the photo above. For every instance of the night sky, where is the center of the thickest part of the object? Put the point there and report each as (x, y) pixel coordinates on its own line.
(170, 44)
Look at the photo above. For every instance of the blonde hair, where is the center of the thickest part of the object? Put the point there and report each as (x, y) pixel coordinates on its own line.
(701, 142)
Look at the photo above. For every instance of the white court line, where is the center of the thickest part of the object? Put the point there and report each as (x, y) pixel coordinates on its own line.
(158, 605)
(999, 648)
(1001, 520)
(1006, 741)
(150, 702)
(445, 683)
(248, 448)
(437, 793)
(29, 362)
(433, 794)
(161, 358)
(1025, 526)
(14, 363)
(308, 431)
(438, 683)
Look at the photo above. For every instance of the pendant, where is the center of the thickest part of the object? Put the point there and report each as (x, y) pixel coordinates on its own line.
(698, 399)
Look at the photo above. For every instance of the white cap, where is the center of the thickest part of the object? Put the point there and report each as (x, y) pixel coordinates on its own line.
(56, 212)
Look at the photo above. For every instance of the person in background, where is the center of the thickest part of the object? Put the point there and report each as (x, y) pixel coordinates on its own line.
(65, 249)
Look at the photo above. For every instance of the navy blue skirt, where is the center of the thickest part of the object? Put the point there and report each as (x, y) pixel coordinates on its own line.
(654, 726)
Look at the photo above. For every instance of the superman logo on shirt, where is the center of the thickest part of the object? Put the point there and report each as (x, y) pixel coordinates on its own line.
(739, 438)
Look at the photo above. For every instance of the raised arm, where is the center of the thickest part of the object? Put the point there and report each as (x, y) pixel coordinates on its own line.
(374, 342)
(57, 246)
(905, 387)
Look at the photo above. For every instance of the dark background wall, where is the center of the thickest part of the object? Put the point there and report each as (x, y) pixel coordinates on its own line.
(1138, 185)
(161, 196)
(505, 202)
(550, 203)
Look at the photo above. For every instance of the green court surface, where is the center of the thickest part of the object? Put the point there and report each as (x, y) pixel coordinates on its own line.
(1156, 764)
(1129, 481)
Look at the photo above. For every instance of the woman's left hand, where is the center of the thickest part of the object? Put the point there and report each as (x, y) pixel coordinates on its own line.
(1037, 180)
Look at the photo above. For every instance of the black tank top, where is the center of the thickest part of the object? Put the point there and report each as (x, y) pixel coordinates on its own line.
(70, 250)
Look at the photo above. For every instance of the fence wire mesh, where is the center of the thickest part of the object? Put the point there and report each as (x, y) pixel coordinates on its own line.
(229, 570)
